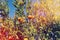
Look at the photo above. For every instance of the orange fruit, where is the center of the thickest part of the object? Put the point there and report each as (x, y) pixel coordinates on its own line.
(30, 17)
(20, 19)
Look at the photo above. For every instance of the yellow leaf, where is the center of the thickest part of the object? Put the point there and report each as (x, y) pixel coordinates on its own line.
(20, 2)
(25, 38)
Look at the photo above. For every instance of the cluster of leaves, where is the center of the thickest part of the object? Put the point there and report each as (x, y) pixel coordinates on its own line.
(4, 7)
(9, 32)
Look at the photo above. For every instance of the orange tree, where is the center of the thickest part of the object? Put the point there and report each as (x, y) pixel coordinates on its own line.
(39, 17)
(22, 19)
(19, 18)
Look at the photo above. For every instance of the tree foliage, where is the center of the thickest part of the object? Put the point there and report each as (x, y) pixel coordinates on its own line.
(4, 7)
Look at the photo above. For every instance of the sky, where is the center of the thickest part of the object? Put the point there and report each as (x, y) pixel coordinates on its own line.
(11, 8)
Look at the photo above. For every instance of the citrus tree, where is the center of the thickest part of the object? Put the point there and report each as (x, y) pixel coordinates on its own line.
(19, 18)
(38, 20)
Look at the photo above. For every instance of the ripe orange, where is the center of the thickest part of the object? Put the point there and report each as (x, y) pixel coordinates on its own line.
(20, 19)
(30, 16)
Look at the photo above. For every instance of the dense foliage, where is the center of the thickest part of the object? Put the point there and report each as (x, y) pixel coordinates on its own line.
(33, 20)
